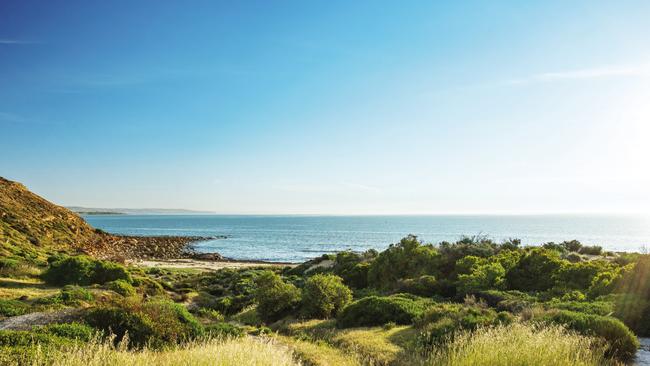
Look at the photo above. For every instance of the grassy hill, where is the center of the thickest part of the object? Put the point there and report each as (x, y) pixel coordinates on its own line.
(31, 227)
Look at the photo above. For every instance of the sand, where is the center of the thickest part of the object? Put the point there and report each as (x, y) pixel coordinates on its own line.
(205, 265)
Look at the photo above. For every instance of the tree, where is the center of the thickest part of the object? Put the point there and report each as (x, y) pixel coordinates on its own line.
(324, 296)
(274, 297)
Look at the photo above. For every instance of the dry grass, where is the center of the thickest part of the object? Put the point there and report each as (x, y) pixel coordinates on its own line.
(11, 288)
(520, 344)
(229, 352)
(319, 353)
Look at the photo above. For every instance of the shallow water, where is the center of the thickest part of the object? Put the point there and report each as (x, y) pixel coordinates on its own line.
(643, 354)
(298, 238)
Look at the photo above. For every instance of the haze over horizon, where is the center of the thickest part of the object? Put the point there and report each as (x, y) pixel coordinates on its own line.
(329, 107)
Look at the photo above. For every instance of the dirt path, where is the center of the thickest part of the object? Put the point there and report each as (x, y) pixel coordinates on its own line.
(27, 321)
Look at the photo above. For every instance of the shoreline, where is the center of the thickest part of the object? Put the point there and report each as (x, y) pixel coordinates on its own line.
(205, 265)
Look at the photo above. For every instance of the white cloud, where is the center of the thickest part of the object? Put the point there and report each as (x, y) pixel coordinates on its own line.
(586, 74)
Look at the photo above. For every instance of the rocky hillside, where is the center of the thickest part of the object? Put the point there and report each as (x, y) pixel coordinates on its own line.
(32, 228)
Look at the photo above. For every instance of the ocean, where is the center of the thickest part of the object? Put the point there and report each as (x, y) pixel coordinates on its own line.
(299, 238)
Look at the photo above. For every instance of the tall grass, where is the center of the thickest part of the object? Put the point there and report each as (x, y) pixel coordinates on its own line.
(226, 352)
(519, 344)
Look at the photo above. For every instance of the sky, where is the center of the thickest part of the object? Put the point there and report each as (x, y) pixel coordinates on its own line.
(329, 107)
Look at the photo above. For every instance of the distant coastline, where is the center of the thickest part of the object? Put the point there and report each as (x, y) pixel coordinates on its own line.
(133, 211)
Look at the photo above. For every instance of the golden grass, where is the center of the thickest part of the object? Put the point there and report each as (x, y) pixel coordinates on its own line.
(228, 352)
(518, 345)
(373, 345)
(319, 353)
(11, 288)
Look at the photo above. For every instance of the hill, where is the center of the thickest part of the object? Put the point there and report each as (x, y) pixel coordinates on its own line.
(33, 228)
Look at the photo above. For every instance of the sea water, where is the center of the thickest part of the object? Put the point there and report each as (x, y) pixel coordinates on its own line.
(299, 238)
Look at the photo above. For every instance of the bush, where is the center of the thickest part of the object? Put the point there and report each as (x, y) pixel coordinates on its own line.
(155, 323)
(593, 307)
(591, 250)
(535, 271)
(425, 285)
(13, 308)
(274, 297)
(634, 311)
(121, 287)
(81, 332)
(621, 342)
(324, 296)
(407, 259)
(440, 321)
(72, 295)
(224, 330)
(82, 270)
(376, 310)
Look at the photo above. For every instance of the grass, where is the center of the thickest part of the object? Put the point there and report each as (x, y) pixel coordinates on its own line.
(519, 344)
(372, 345)
(228, 352)
(319, 353)
(11, 288)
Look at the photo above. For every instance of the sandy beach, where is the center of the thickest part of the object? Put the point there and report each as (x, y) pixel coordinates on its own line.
(205, 265)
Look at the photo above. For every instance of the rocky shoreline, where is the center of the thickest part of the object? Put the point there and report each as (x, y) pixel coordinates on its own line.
(122, 248)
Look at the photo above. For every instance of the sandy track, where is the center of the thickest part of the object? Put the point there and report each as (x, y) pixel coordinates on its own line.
(205, 265)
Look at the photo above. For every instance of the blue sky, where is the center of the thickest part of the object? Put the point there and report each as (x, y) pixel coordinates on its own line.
(329, 107)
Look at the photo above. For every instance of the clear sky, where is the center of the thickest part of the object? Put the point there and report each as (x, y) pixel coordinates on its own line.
(333, 107)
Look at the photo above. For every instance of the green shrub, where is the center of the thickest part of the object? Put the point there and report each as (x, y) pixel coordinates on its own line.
(82, 270)
(324, 296)
(376, 310)
(13, 308)
(634, 311)
(407, 259)
(587, 307)
(223, 329)
(535, 271)
(105, 271)
(72, 295)
(81, 332)
(591, 250)
(211, 314)
(155, 323)
(274, 297)
(621, 342)
(440, 321)
(422, 286)
(121, 287)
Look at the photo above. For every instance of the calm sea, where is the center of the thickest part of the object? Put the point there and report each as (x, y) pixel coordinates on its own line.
(298, 238)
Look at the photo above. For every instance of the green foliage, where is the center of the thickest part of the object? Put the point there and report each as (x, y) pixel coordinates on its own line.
(580, 275)
(154, 323)
(72, 295)
(324, 295)
(426, 286)
(376, 310)
(621, 342)
(13, 308)
(121, 287)
(593, 307)
(274, 297)
(479, 274)
(535, 271)
(634, 311)
(223, 329)
(82, 270)
(407, 259)
(353, 267)
(591, 250)
(440, 321)
(78, 331)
